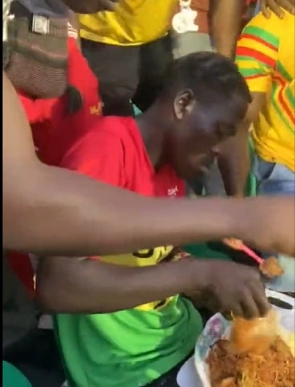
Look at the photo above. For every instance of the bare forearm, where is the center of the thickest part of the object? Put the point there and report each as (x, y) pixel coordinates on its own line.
(86, 286)
(225, 21)
(234, 157)
(58, 212)
(234, 164)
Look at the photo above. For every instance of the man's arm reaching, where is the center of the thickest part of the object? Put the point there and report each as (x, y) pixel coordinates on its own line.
(51, 211)
(83, 286)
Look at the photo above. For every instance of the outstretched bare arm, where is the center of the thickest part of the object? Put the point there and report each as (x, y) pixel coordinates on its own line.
(51, 211)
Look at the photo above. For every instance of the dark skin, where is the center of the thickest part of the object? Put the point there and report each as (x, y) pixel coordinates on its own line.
(47, 210)
(278, 7)
(234, 158)
(225, 23)
(64, 209)
(74, 286)
(225, 20)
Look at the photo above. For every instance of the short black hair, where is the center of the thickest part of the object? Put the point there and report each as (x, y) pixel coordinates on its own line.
(212, 78)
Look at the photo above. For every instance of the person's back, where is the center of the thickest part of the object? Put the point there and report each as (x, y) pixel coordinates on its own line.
(265, 55)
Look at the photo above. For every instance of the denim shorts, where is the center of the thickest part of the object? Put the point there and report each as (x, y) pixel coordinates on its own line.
(277, 179)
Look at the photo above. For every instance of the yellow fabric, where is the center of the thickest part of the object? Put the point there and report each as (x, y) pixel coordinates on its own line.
(266, 58)
(134, 22)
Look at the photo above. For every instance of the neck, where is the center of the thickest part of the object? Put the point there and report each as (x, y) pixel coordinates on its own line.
(153, 133)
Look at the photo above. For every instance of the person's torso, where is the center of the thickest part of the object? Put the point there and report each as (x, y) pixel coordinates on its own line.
(134, 22)
(53, 127)
(274, 131)
(135, 346)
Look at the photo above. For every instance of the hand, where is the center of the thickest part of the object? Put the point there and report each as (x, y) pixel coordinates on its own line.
(268, 224)
(228, 287)
(276, 6)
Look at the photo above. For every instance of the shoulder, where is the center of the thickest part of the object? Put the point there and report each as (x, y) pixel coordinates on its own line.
(101, 138)
(269, 29)
(100, 151)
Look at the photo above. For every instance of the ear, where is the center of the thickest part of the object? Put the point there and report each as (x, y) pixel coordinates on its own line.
(184, 103)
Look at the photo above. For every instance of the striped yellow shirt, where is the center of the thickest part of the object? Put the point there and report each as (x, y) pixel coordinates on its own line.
(266, 58)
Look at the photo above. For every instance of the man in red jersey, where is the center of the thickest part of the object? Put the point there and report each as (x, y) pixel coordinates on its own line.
(150, 155)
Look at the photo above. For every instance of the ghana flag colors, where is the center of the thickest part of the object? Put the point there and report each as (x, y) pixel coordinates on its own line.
(266, 58)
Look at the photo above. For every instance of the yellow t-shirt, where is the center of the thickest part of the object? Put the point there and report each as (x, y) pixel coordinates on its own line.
(133, 23)
(266, 58)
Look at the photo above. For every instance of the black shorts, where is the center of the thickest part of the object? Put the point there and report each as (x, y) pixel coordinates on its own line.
(128, 72)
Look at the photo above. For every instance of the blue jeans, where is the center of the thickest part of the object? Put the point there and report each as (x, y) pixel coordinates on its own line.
(277, 179)
(258, 7)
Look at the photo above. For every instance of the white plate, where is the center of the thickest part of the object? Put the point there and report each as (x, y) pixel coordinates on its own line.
(218, 327)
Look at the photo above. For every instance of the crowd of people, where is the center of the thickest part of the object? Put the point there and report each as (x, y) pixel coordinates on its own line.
(99, 149)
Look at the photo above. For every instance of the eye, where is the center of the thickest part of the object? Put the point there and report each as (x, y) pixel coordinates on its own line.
(223, 131)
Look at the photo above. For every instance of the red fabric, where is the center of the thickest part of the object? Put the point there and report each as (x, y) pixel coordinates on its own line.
(112, 151)
(21, 265)
(52, 127)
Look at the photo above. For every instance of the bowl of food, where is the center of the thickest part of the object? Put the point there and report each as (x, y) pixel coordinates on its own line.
(219, 366)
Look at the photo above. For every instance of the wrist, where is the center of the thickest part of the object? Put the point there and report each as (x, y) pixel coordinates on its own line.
(198, 275)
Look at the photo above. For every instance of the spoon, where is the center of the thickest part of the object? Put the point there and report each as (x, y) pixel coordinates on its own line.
(238, 245)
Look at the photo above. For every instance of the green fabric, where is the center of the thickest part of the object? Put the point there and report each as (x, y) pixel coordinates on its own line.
(251, 188)
(209, 251)
(131, 347)
(136, 110)
(12, 377)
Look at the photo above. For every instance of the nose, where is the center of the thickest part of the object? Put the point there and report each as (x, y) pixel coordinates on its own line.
(215, 151)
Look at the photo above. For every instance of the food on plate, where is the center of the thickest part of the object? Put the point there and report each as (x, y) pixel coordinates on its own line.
(271, 268)
(253, 336)
(275, 367)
